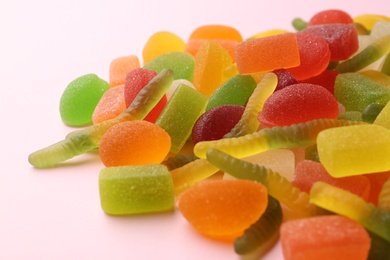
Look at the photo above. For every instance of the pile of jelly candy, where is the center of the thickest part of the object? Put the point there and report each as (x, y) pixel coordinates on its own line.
(283, 135)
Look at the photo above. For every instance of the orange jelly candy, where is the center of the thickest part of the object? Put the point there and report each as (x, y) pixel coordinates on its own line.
(111, 104)
(223, 209)
(267, 53)
(326, 237)
(212, 32)
(133, 143)
(119, 68)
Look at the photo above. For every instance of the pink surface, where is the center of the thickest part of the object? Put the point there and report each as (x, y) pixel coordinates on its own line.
(55, 213)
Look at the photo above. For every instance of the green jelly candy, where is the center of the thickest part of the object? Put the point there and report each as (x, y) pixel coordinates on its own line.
(356, 91)
(180, 114)
(138, 189)
(351, 115)
(79, 99)
(181, 63)
(235, 91)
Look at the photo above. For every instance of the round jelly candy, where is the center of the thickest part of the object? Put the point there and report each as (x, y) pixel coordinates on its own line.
(134, 142)
(213, 32)
(330, 16)
(136, 80)
(110, 105)
(120, 66)
(79, 99)
(299, 103)
(160, 43)
(214, 124)
(223, 208)
(314, 55)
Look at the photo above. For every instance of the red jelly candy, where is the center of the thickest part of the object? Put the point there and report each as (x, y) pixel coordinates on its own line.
(377, 180)
(330, 16)
(216, 122)
(314, 54)
(308, 172)
(298, 103)
(342, 39)
(326, 79)
(136, 80)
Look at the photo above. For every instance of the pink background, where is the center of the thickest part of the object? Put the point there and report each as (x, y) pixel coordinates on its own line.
(55, 213)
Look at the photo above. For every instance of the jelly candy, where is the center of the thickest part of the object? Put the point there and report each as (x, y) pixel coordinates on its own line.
(263, 231)
(267, 53)
(213, 124)
(342, 39)
(216, 32)
(127, 190)
(79, 99)
(236, 91)
(284, 79)
(135, 81)
(314, 55)
(371, 111)
(120, 66)
(81, 141)
(356, 91)
(299, 103)
(326, 79)
(376, 183)
(330, 16)
(210, 63)
(324, 237)
(181, 63)
(160, 43)
(180, 114)
(369, 20)
(111, 104)
(353, 150)
(130, 143)
(193, 46)
(308, 172)
(214, 208)
(383, 118)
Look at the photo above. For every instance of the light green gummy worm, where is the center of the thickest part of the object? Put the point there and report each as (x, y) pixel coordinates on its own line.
(81, 141)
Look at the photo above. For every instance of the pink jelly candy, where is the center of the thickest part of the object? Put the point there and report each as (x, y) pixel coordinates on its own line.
(298, 103)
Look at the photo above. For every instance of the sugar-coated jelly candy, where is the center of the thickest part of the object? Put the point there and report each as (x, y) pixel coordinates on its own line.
(135, 81)
(193, 45)
(216, 31)
(299, 103)
(308, 172)
(235, 90)
(160, 43)
(342, 39)
(267, 53)
(181, 63)
(120, 66)
(267, 33)
(215, 208)
(326, 79)
(353, 150)
(79, 99)
(81, 141)
(111, 104)
(213, 124)
(314, 55)
(134, 142)
(383, 117)
(210, 63)
(330, 16)
(139, 189)
(356, 91)
(324, 237)
(180, 114)
(376, 183)
(175, 84)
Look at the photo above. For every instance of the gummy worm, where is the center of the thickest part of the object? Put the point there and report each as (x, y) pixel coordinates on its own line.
(81, 141)
(278, 186)
(296, 135)
(370, 54)
(249, 122)
(352, 206)
(384, 196)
